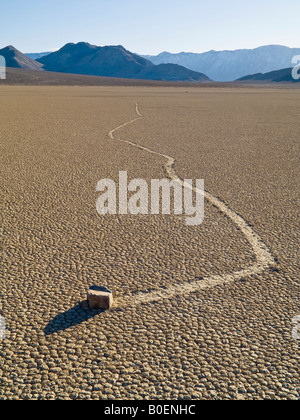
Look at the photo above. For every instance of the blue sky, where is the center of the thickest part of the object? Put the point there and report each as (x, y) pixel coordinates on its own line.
(150, 27)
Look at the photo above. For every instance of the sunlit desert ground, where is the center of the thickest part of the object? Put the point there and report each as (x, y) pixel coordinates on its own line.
(232, 340)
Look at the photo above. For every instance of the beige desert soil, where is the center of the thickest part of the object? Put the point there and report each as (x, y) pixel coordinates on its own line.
(186, 323)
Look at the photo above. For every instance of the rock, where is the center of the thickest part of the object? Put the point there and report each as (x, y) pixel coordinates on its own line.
(99, 298)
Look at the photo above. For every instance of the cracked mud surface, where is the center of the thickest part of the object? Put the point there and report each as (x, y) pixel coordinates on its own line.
(232, 341)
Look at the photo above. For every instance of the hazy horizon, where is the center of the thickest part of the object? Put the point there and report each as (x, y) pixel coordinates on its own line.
(149, 29)
(161, 52)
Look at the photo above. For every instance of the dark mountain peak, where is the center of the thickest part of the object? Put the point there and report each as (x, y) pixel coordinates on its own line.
(112, 61)
(10, 48)
(87, 44)
(67, 46)
(14, 58)
(119, 54)
(120, 47)
(79, 47)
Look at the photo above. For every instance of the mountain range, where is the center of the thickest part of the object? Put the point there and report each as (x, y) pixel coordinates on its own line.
(227, 66)
(117, 62)
(113, 61)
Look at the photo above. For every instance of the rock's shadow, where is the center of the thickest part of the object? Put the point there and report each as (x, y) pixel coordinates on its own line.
(72, 317)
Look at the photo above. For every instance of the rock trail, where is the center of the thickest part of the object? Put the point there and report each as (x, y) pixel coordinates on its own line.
(264, 258)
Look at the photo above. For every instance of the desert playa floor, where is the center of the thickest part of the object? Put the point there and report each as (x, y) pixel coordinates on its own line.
(185, 325)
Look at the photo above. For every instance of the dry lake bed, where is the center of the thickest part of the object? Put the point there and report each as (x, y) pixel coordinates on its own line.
(200, 312)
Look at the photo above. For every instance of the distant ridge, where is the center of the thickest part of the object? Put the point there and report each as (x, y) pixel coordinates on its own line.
(14, 58)
(35, 56)
(225, 66)
(278, 76)
(113, 61)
